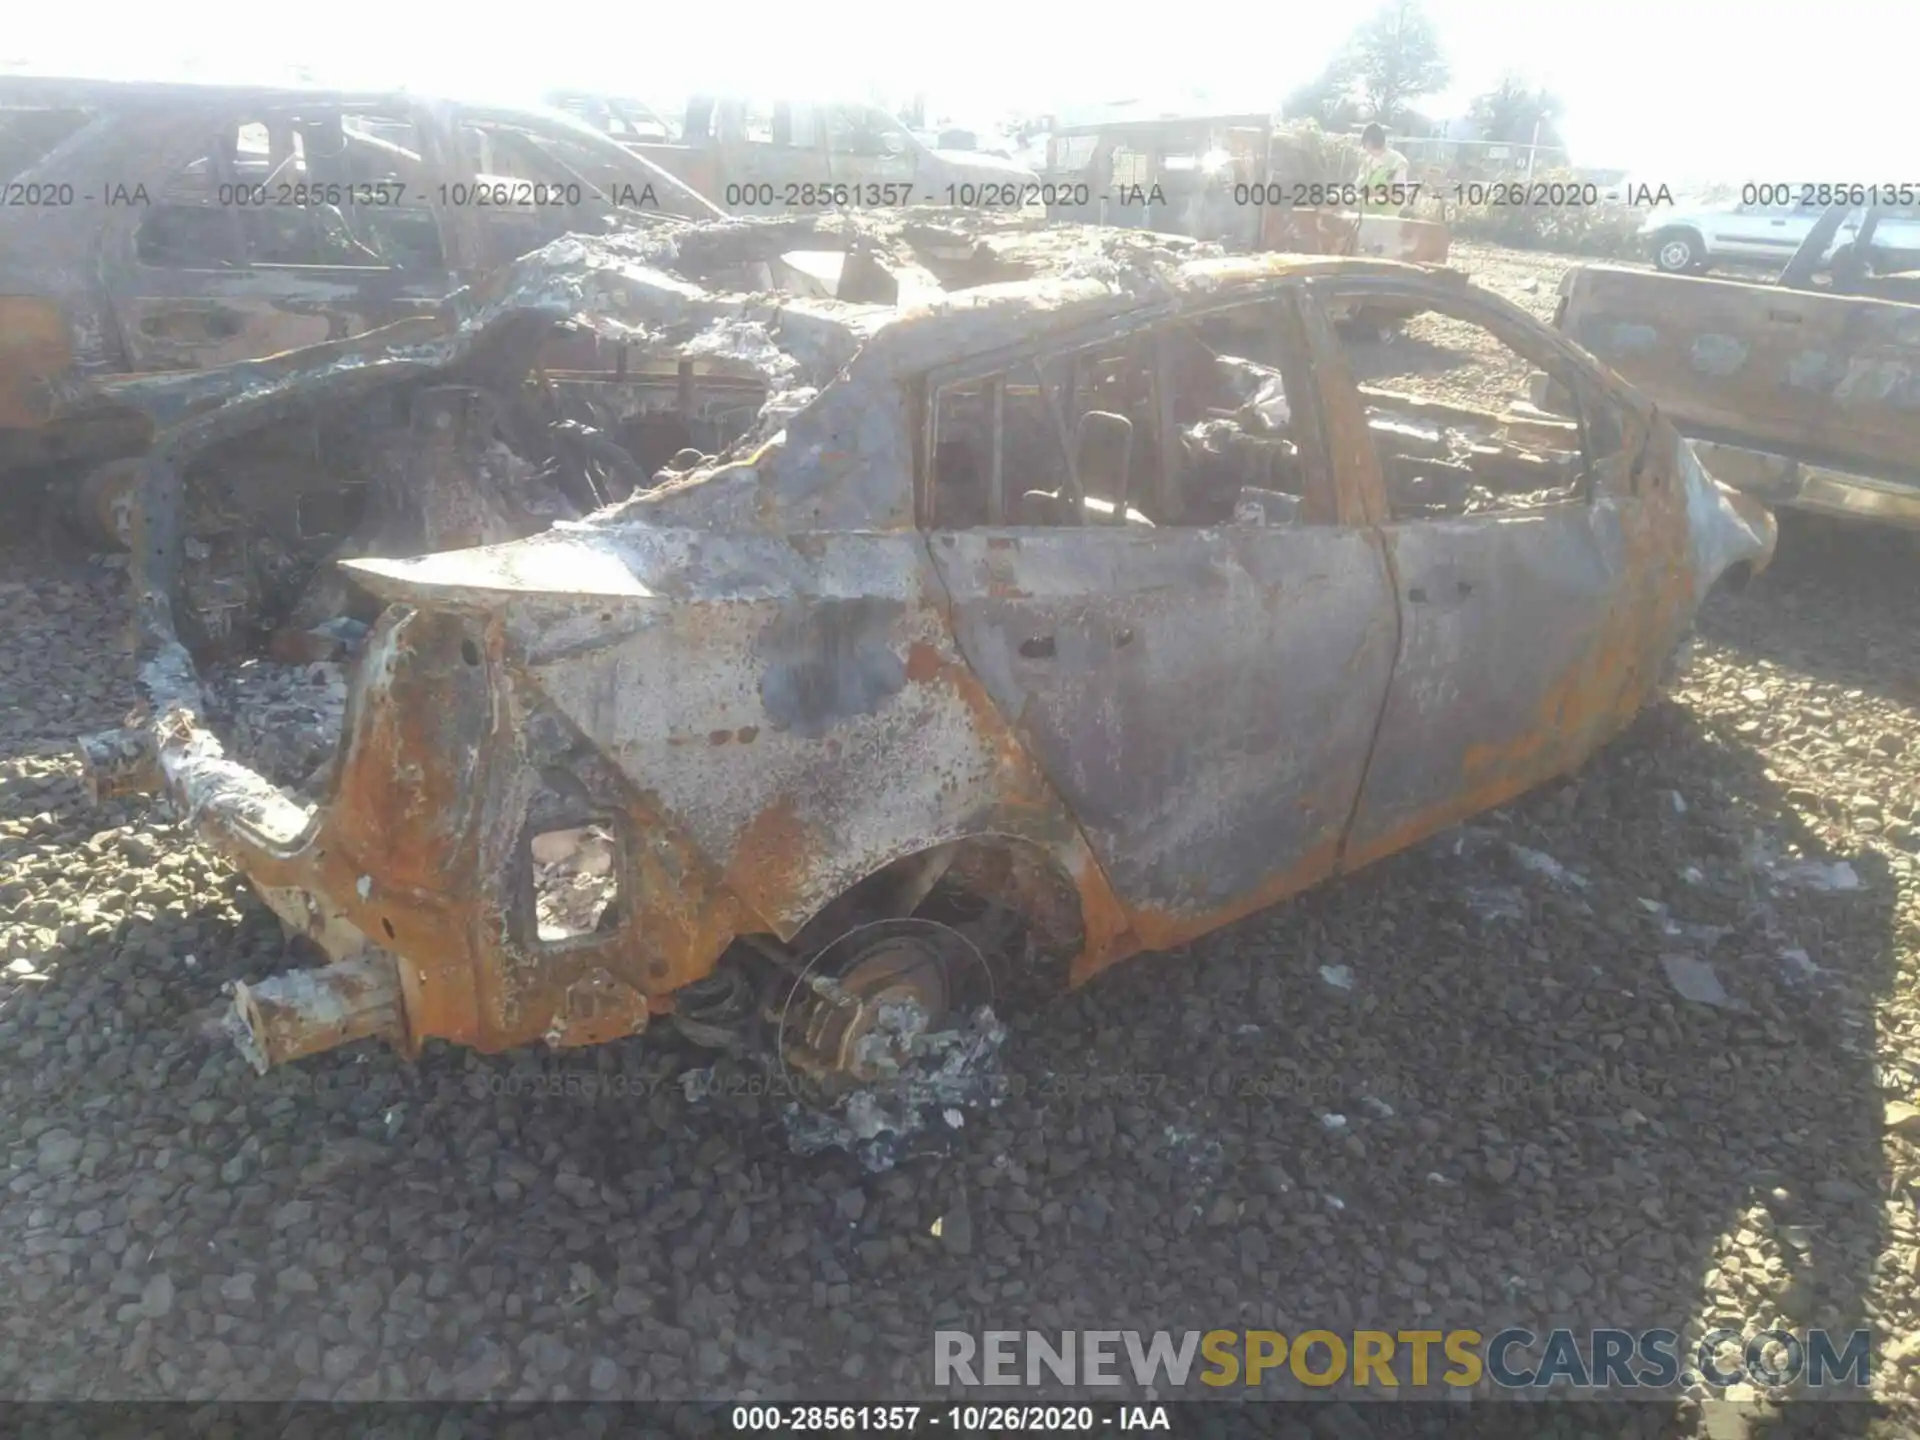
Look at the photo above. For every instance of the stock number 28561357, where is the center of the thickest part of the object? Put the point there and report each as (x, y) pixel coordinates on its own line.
(782, 1419)
(815, 194)
(569, 1085)
(1039, 1419)
(1807, 194)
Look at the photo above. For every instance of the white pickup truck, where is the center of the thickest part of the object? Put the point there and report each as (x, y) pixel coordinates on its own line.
(1688, 242)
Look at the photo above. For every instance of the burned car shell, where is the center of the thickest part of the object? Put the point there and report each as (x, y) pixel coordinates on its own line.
(785, 675)
(1107, 169)
(82, 302)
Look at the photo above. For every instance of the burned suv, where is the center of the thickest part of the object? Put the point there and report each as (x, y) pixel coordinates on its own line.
(1014, 633)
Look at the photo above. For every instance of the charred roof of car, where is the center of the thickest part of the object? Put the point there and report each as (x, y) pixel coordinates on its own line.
(831, 446)
(961, 283)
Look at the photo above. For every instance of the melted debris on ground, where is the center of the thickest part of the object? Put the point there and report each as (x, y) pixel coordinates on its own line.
(946, 1074)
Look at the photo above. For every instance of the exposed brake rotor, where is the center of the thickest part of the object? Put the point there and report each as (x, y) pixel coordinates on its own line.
(856, 1014)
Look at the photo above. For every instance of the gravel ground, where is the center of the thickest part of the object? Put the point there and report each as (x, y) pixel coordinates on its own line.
(1464, 1088)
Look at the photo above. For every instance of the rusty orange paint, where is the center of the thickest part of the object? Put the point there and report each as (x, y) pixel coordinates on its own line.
(770, 861)
(1116, 931)
(1027, 801)
(35, 352)
(595, 1008)
(684, 913)
(381, 836)
(924, 663)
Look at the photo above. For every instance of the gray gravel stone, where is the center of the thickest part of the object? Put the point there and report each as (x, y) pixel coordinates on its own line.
(292, 1214)
(296, 1280)
(156, 1297)
(58, 1149)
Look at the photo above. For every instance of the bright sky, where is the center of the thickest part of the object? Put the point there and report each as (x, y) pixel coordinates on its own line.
(1672, 90)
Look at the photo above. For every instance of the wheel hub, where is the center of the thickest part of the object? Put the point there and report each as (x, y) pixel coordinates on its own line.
(862, 1025)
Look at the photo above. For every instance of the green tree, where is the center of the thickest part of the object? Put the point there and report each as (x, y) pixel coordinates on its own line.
(1327, 99)
(1509, 112)
(1393, 59)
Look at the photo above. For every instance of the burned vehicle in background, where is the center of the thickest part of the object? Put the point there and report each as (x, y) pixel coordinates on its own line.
(168, 227)
(1801, 392)
(1239, 179)
(829, 742)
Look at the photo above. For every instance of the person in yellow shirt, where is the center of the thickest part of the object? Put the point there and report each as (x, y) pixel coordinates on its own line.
(1380, 165)
(1381, 169)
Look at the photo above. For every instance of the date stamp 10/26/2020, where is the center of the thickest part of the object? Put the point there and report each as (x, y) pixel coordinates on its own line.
(1495, 194)
(1014, 195)
(823, 195)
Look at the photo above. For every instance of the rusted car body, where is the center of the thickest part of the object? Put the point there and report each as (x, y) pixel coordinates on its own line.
(934, 623)
(1180, 173)
(1803, 397)
(159, 227)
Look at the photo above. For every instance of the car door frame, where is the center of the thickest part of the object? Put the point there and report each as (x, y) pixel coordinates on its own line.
(1479, 596)
(265, 308)
(477, 221)
(1093, 641)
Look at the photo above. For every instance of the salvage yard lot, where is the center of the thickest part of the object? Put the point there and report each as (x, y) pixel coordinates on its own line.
(1461, 1089)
